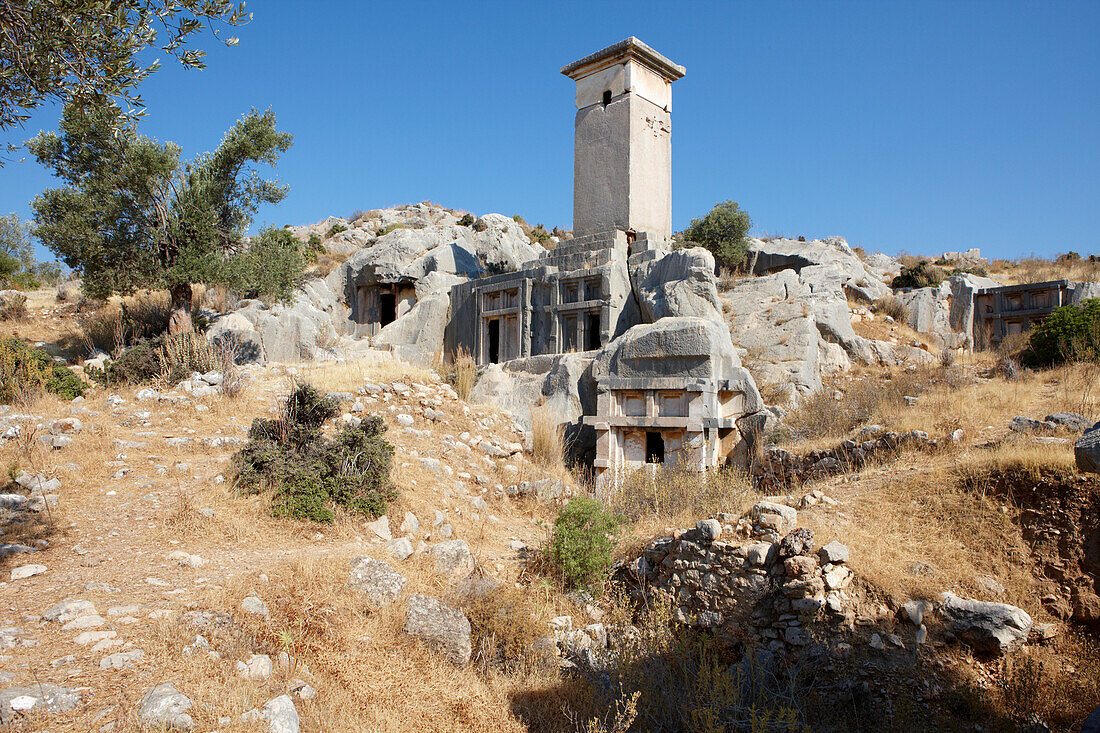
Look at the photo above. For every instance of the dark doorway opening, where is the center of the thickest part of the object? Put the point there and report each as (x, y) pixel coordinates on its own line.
(592, 332)
(494, 341)
(607, 97)
(387, 308)
(654, 447)
(569, 334)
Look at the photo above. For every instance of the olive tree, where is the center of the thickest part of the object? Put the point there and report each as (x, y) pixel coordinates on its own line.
(81, 50)
(724, 232)
(132, 215)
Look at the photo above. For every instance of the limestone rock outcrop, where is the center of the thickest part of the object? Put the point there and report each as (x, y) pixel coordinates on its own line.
(677, 283)
(832, 254)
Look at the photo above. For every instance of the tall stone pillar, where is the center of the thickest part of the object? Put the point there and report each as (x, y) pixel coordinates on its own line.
(622, 164)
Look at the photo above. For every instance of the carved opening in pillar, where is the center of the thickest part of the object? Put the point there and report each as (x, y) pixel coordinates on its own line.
(387, 308)
(606, 97)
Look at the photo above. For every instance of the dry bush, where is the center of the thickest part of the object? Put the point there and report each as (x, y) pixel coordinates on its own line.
(505, 624)
(13, 306)
(1037, 269)
(673, 493)
(181, 354)
(327, 262)
(889, 305)
(114, 326)
(548, 445)
(220, 299)
(463, 374)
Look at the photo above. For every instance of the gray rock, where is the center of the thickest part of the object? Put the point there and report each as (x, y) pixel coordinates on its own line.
(987, 627)
(453, 558)
(66, 611)
(120, 660)
(1021, 424)
(787, 516)
(381, 528)
(1087, 451)
(678, 283)
(46, 696)
(258, 667)
(445, 629)
(709, 529)
(833, 552)
(1069, 420)
(377, 580)
(255, 605)
(281, 715)
(400, 548)
(165, 706)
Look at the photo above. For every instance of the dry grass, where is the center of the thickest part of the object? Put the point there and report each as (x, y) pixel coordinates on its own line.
(548, 445)
(1037, 269)
(889, 305)
(349, 376)
(463, 374)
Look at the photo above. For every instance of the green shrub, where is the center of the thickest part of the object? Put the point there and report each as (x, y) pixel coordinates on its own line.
(307, 473)
(27, 373)
(582, 541)
(334, 230)
(539, 235)
(273, 266)
(1070, 333)
(724, 232)
(314, 245)
(467, 220)
(921, 275)
(388, 228)
(519, 219)
(169, 358)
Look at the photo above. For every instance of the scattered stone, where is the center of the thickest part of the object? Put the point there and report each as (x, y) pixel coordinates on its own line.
(381, 528)
(1087, 451)
(377, 580)
(400, 548)
(445, 629)
(1021, 424)
(255, 605)
(258, 667)
(165, 706)
(68, 610)
(49, 697)
(119, 660)
(281, 715)
(833, 552)
(1069, 421)
(987, 627)
(453, 558)
(27, 571)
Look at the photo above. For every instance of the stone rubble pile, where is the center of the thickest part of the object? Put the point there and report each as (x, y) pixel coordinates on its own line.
(754, 582)
(778, 468)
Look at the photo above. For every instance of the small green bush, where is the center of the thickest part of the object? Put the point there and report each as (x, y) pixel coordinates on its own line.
(724, 232)
(519, 219)
(314, 245)
(921, 275)
(27, 373)
(307, 473)
(539, 235)
(582, 542)
(388, 228)
(1070, 333)
(170, 358)
(334, 230)
(467, 220)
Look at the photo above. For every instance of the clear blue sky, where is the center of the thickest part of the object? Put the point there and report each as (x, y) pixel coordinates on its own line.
(902, 126)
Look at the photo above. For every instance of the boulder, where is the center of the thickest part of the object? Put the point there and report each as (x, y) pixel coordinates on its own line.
(377, 580)
(453, 558)
(988, 627)
(46, 697)
(1087, 450)
(443, 628)
(281, 715)
(166, 707)
(678, 283)
(417, 336)
(855, 277)
(1069, 421)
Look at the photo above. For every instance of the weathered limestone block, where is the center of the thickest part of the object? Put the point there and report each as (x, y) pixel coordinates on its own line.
(987, 627)
(679, 283)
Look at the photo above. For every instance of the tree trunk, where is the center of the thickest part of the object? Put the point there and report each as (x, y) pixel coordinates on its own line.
(180, 319)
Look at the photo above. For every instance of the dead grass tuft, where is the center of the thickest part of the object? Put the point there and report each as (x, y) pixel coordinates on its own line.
(548, 445)
(463, 375)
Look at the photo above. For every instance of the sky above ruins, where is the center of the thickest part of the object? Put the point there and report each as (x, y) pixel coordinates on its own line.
(916, 127)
